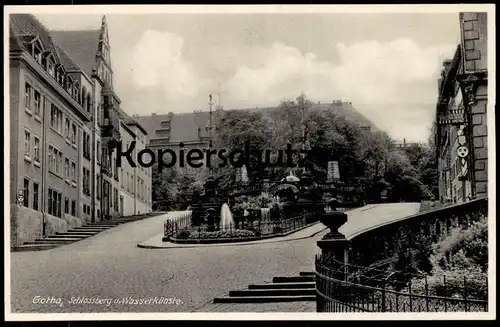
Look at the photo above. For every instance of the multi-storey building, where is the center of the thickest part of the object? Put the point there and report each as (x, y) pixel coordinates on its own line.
(51, 107)
(112, 125)
(65, 123)
(461, 130)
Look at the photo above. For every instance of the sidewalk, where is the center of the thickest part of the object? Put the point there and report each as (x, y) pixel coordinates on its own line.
(156, 242)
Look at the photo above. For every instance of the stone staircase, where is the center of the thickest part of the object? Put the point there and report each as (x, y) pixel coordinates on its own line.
(282, 289)
(78, 233)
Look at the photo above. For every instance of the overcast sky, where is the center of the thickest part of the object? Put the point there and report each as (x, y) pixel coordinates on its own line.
(387, 65)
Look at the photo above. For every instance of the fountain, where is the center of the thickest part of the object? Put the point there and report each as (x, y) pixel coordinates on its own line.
(226, 217)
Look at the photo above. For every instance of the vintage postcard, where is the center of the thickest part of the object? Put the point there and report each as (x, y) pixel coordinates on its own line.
(249, 162)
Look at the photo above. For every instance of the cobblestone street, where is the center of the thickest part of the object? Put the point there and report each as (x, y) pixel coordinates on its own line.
(111, 266)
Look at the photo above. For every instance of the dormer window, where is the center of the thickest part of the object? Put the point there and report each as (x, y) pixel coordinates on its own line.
(50, 64)
(37, 53)
(69, 85)
(61, 79)
(75, 93)
(37, 49)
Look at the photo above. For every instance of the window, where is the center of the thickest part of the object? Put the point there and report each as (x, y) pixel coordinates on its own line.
(36, 150)
(66, 205)
(66, 169)
(59, 162)
(73, 172)
(50, 202)
(116, 199)
(69, 84)
(86, 181)
(98, 114)
(37, 102)
(35, 196)
(89, 104)
(50, 156)
(86, 145)
(98, 189)
(27, 96)
(56, 118)
(55, 160)
(73, 134)
(59, 204)
(26, 192)
(67, 128)
(37, 53)
(27, 143)
(73, 208)
(50, 68)
(121, 177)
(75, 93)
(98, 151)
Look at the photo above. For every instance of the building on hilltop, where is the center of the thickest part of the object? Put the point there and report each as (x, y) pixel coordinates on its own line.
(65, 121)
(461, 129)
(167, 131)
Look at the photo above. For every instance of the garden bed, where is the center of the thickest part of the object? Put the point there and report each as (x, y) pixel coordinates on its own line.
(231, 237)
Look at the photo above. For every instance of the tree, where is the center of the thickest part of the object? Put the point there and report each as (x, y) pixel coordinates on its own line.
(235, 129)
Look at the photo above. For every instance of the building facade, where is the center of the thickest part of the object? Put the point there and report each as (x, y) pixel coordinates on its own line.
(65, 124)
(461, 133)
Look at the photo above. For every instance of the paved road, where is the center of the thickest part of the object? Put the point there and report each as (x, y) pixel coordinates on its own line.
(111, 266)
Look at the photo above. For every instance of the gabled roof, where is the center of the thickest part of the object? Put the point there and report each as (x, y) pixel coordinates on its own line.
(23, 26)
(81, 46)
(68, 63)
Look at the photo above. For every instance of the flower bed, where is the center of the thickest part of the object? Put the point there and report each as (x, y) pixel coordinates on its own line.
(195, 234)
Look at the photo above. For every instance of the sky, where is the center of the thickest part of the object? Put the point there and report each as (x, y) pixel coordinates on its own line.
(387, 65)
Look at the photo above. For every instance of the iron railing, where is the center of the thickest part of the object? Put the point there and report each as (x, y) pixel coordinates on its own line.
(181, 228)
(373, 290)
(174, 224)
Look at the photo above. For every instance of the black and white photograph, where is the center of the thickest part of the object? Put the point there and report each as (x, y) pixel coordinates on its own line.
(249, 161)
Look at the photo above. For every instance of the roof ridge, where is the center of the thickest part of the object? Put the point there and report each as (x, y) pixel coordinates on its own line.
(72, 31)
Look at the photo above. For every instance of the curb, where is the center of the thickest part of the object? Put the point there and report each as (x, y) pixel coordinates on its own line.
(152, 247)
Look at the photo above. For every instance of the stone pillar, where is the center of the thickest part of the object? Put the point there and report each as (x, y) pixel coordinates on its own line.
(334, 245)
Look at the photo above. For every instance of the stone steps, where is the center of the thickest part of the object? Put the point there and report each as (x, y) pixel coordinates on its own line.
(69, 235)
(294, 279)
(274, 292)
(281, 286)
(52, 240)
(78, 233)
(282, 289)
(36, 247)
(73, 232)
(265, 299)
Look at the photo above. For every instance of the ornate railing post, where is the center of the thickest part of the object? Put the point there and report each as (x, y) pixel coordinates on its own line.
(334, 245)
